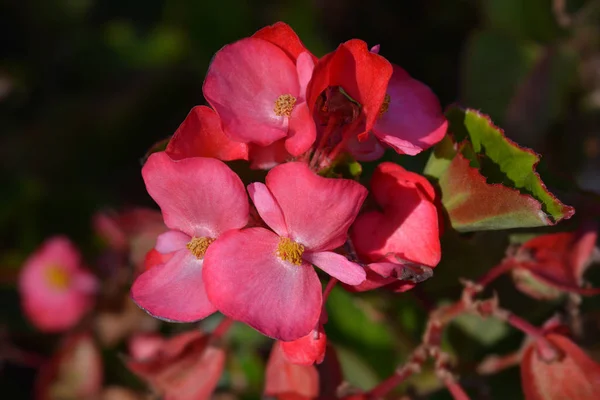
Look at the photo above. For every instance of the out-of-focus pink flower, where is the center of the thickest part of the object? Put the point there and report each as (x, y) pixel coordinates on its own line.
(280, 293)
(550, 264)
(307, 350)
(133, 231)
(572, 375)
(397, 241)
(287, 381)
(74, 372)
(200, 198)
(55, 290)
(184, 367)
(200, 135)
(257, 86)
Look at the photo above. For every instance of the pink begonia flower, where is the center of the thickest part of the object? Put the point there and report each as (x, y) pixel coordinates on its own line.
(200, 135)
(55, 290)
(75, 371)
(257, 85)
(287, 381)
(265, 278)
(184, 367)
(200, 198)
(402, 237)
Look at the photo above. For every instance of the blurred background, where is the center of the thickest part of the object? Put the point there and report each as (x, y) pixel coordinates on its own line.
(88, 86)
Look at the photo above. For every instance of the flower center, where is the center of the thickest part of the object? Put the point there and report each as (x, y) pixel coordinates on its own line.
(290, 251)
(284, 105)
(198, 246)
(385, 106)
(57, 277)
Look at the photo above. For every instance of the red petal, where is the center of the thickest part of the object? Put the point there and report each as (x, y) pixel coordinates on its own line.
(362, 74)
(198, 196)
(200, 135)
(267, 207)
(318, 211)
(414, 120)
(307, 350)
(174, 291)
(302, 131)
(284, 378)
(248, 282)
(242, 84)
(574, 376)
(267, 157)
(408, 225)
(284, 37)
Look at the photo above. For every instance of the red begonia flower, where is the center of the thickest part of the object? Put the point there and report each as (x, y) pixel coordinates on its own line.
(284, 37)
(258, 90)
(573, 375)
(184, 367)
(280, 293)
(362, 74)
(200, 135)
(267, 157)
(287, 381)
(307, 350)
(200, 199)
(74, 371)
(411, 118)
(558, 261)
(366, 149)
(404, 233)
(55, 290)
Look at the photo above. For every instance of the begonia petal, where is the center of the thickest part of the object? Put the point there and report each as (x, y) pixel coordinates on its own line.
(171, 241)
(302, 131)
(267, 207)
(248, 282)
(318, 211)
(337, 266)
(284, 37)
(414, 120)
(242, 84)
(174, 291)
(200, 135)
(198, 196)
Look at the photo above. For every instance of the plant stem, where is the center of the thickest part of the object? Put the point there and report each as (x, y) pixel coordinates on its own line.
(457, 392)
(222, 328)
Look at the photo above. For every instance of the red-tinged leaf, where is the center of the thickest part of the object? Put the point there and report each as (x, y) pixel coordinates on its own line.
(573, 375)
(487, 181)
(285, 380)
(74, 372)
(548, 265)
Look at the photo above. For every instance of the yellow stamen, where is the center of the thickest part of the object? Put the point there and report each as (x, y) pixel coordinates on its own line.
(385, 106)
(198, 246)
(284, 105)
(57, 277)
(290, 251)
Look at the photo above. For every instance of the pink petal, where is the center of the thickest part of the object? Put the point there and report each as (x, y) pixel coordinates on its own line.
(246, 281)
(302, 131)
(267, 207)
(284, 380)
(242, 84)
(198, 196)
(318, 211)
(171, 241)
(307, 350)
(369, 149)
(414, 121)
(174, 291)
(337, 266)
(200, 135)
(267, 157)
(305, 65)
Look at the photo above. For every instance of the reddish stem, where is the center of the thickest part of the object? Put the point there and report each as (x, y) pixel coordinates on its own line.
(457, 392)
(390, 383)
(331, 124)
(222, 328)
(495, 272)
(330, 285)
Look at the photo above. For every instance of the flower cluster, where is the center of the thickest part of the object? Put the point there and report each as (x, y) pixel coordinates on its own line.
(276, 105)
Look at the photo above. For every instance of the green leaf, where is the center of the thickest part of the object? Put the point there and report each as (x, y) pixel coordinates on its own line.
(487, 331)
(490, 182)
